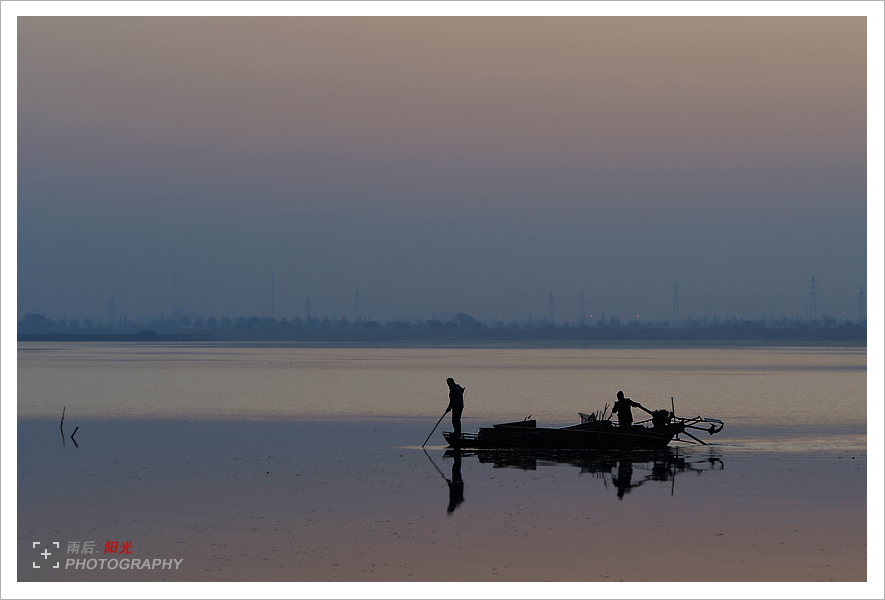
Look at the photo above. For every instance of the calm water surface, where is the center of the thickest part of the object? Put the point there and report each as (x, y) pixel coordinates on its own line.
(256, 463)
(799, 397)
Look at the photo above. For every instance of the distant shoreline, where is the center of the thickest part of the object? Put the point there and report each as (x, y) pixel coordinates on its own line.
(555, 336)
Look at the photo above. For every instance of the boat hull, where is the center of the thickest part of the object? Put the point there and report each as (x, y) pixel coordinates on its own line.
(596, 435)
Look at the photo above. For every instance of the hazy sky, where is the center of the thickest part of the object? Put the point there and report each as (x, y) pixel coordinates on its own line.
(441, 165)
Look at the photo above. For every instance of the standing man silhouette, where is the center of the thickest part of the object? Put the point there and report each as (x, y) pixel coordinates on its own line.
(456, 404)
(622, 407)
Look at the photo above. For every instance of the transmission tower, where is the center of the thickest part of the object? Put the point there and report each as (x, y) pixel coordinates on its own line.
(551, 305)
(112, 310)
(582, 309)
(812, 300)
(675, 304)
(356, 302)
(861, 305)
(272, 275)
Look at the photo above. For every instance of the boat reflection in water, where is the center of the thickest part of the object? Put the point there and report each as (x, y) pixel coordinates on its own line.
(625, 469)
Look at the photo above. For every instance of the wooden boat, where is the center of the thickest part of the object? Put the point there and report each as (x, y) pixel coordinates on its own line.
(592, 433)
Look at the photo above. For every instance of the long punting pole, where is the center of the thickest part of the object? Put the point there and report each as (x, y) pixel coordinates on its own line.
(434, 428)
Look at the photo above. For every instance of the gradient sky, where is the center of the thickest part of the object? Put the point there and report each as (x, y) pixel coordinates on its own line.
(441, 165)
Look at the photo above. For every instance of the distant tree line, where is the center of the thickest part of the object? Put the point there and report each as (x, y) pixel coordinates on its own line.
(459, 327)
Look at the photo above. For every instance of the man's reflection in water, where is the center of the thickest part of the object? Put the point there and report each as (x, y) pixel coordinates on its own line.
(624, 479)
(456, 485)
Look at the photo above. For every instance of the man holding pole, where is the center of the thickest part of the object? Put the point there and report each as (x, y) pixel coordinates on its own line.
(456, 404)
